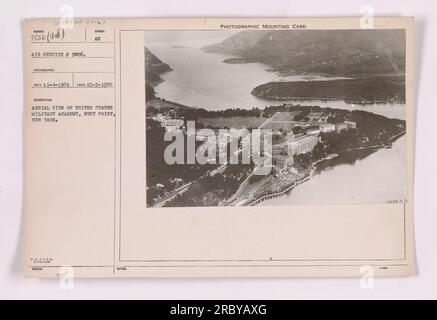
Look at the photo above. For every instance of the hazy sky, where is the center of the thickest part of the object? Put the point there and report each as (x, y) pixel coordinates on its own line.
(187, 38)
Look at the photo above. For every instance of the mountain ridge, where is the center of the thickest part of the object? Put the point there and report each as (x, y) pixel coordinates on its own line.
(333, 52)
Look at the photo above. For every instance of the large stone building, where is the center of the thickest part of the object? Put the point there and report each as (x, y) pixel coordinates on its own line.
(350, 125)
(313, 132)
(168, 122)
(282, 162)
(280, 149)
(302, 144)
(295, 145)
(172, 124)
(327, 127)
(339, 127)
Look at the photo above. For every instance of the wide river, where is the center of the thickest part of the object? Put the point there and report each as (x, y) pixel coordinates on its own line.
(376, 178)
(202, 80)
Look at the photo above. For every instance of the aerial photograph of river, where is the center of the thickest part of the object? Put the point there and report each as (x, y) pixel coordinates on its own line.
(336, 109)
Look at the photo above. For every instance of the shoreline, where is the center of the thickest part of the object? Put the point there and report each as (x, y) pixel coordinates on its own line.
(255, 201)
(362, 103)
(288, 188)
(252, 202)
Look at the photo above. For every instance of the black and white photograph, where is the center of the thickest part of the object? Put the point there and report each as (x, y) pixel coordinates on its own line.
(275, 117)
(218, 156)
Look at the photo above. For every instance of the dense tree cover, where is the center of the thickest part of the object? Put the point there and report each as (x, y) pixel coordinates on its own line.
(213, 190)
(333, 52)
(371, 130)
(159, 172)
(361, 90)
(154, 67)
(150, 92)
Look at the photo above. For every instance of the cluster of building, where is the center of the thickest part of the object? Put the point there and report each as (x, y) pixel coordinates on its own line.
(338, 127)
(220, 138)
(318, 116)
(282, 153)
(170, 120)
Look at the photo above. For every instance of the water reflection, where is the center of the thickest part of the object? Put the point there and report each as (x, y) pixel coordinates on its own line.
(372, 176)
